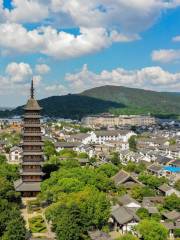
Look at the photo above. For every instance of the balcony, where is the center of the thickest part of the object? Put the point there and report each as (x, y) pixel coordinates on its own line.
(35, 153)
(31, 125)
(32, 133)
(30, 173)
(31, 116)
(31, 163)
(32, 143)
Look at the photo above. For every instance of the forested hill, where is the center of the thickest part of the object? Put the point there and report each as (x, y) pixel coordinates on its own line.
(138, 100)
(115, 99)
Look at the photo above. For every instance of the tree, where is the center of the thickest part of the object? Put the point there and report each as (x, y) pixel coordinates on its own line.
(69, 225)
(49, 149)
(138, 192)
(177, 185)
(83, 176)
(177, 232)
(75, 213)
(142, 213)
(128, 237)
(115, 158)
(152, 230)
(151, 181)
(172, 202)
(15, 230)
(132, 143)
(109, 169)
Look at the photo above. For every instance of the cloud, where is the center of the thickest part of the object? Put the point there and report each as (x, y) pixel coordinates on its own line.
(148, 78)
(49, 41)
(18, 72)
(176, 39)
(24, 11)
(132, 16)
(42, 68)
(55, 89)
(166, 55)
(101, 23)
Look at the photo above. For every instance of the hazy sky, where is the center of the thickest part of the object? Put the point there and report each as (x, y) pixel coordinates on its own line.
(72, 45)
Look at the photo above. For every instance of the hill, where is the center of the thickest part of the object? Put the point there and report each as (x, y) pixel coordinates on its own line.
(138, 101)
(114, 99)
(72, 106)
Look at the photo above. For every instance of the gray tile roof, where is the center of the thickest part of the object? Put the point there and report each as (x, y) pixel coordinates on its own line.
(123, 215)
(155, 168)
(126, 199)
(173, 215)
(164, 188)
(122, 176)
(21, 186)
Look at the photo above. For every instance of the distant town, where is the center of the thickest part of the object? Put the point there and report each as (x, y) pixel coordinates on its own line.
(133, 160)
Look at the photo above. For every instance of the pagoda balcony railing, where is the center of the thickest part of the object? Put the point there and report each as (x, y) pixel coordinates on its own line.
(34, 153)
(31, 163)
(32, 150)
(34, 143)
(31, 116)
(31, 180)
(31, 133)
(31, 170)
(32, 140)
(31, 125)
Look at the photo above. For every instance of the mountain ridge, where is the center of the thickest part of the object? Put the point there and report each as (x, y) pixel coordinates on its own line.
(108, 98)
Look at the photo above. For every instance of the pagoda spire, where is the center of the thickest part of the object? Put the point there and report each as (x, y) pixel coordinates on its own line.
(32, 89)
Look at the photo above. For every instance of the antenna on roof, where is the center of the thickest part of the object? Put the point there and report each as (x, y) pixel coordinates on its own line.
(32, 89)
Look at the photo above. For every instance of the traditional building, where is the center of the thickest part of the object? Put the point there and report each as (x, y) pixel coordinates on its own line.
(32, 159)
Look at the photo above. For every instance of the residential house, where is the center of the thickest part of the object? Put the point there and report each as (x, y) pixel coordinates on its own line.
(126, 179)
(15, 154)
(123, 219)
(115, 135)
(166, 190)
(129, 202)
(66, 145)
(156, 169)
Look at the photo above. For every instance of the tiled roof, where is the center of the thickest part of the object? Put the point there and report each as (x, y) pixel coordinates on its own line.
(23, 186)
(32, 104)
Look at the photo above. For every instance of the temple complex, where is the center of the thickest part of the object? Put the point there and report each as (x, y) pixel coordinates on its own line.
(32, 160)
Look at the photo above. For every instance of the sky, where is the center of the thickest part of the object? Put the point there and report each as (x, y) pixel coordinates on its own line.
(68, 46)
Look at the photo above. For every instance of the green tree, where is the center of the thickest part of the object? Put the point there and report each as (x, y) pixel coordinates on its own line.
(172, 202)
(115, 158)
(138, 192)
(15, 230)
(109, 169)
(177, 232)
(151, 181)
(142, 213)
(75, 213)
(177, 185)
(128, 237)
(49, 149)
(132, 143)
(152, 230)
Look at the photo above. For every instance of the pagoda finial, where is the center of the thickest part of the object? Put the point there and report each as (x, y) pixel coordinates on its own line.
(32, 89)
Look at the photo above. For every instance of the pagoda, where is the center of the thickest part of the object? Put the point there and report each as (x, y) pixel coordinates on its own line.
(32, 160)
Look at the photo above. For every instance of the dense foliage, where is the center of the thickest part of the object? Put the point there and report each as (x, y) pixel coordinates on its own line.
(75, 213)
(11, 223)
(152, 230)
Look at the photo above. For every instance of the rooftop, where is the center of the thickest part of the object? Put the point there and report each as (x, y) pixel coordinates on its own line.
(21, 186)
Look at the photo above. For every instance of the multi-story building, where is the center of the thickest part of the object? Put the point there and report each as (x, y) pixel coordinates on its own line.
(32, 159)
(107, 120)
